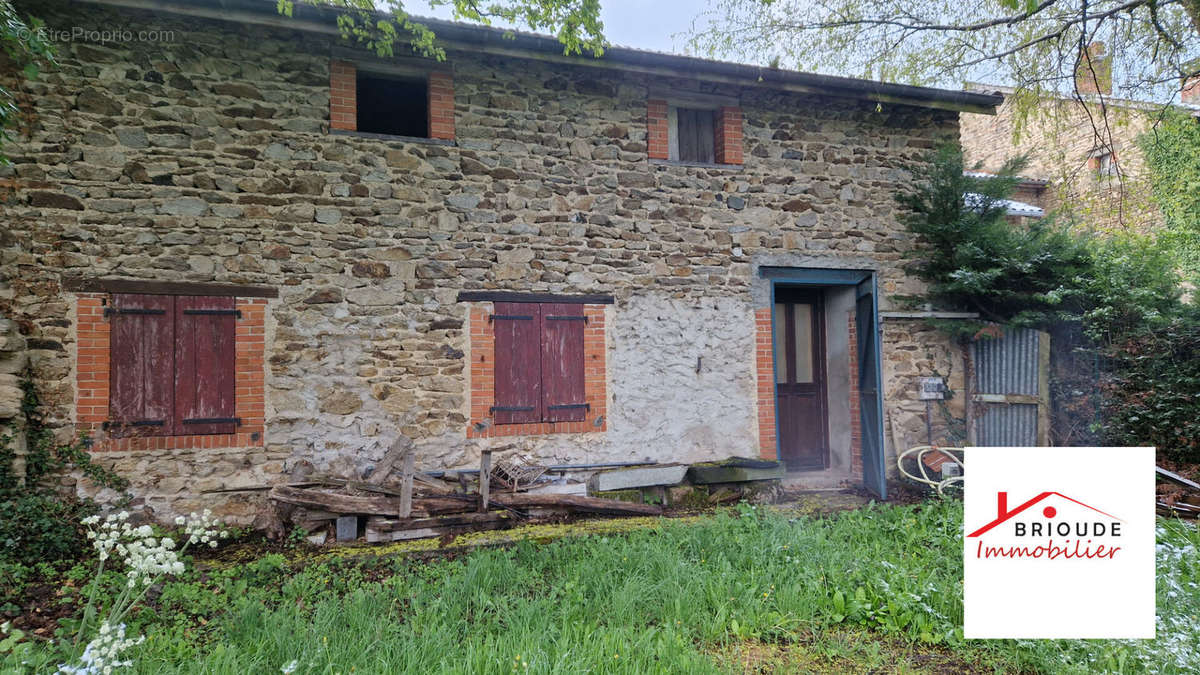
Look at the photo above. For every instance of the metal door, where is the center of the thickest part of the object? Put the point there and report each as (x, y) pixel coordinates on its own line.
(870, 385)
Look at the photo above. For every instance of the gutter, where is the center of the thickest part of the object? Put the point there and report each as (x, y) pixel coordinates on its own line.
(456, 36)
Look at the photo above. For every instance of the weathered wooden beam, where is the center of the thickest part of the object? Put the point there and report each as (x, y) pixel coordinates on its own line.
(1172, 477)
(406, 484)
(577, 503)
(379, 531)
(263, 486)
(388, 506)
(393, 456)
(151, 287)
(1043, 402)
(510, 296)
(485, 479)
(327, 501)
(392, 524)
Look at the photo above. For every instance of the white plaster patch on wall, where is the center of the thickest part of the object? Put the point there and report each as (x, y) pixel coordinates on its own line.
(660, 408)
(682, 375)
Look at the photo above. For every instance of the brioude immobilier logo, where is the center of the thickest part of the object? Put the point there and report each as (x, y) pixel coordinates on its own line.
(1058, 543)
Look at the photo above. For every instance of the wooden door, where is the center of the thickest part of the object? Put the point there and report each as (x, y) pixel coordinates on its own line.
(800, 399)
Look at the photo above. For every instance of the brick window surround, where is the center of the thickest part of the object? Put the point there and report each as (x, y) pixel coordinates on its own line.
(765, 366)
(657, 131)
(92, 381)
(482, 379)
(343, 97)
(727, 132)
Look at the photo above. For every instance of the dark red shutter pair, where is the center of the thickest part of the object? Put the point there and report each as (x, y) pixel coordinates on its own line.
(172, 365)
(539, 363)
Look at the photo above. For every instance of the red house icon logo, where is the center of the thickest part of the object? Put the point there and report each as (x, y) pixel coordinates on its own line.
(1049, 511)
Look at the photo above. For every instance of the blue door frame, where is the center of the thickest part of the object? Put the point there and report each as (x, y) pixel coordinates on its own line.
(870, 358)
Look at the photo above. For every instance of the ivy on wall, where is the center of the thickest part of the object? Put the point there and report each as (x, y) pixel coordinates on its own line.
(1172, 153)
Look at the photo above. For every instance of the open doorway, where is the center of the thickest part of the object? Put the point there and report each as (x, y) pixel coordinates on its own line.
(825, 353)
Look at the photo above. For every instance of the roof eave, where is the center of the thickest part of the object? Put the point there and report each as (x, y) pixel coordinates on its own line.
(461, 37)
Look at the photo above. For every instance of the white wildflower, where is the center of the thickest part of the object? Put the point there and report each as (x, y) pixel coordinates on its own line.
(102, 655)
(290, 667)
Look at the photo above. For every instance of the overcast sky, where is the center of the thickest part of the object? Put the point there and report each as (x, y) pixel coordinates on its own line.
(644, 24)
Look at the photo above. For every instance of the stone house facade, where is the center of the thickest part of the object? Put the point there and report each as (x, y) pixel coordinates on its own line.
(222, 268)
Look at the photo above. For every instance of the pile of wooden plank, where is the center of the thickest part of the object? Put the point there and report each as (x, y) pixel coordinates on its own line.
(1173, 504)
(382, 510)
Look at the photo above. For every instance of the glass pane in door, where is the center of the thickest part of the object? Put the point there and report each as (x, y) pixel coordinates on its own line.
(780, 343)
(802, 321)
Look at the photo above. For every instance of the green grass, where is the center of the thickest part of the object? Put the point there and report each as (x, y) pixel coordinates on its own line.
(874, 588)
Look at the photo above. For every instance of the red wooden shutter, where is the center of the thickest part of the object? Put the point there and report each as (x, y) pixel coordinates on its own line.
(141, 360)
(518, 385)
(562, 362)
(204, 365)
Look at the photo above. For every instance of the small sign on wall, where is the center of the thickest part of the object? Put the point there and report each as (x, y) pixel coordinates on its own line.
(933, 389)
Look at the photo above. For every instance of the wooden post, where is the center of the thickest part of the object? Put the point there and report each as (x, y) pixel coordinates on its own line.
(406, 483)
(485, 474)
(395, 453)
(1043, 406)
(969, 399)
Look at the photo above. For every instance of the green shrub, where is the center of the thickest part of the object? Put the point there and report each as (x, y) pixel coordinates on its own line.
(36, 522)
(1132, 288)
(975, 260)
(37, 526)
(1151, 395)
(1113, 301)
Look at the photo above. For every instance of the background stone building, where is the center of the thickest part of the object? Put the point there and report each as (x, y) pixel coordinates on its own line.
(1086, 153)
(684, 243)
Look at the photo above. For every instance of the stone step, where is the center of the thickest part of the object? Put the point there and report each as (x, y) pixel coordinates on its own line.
(638, 477)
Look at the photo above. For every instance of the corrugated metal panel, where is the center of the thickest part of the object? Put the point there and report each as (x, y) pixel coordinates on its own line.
(1005, 366)
(1013, 424)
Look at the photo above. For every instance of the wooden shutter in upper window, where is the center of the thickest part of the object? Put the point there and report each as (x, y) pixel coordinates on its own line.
(518, 385)
(141, 363)
(694, 129)
(205, 361)
(562, 362)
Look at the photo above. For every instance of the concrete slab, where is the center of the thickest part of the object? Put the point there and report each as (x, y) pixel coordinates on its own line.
(638, 477)
(559, 489)
(347, 528)
(819, 480)
(706, 474)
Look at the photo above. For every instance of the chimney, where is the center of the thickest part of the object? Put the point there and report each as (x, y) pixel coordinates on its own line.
(1190, 92)
(1093, 75)
(1001, 504)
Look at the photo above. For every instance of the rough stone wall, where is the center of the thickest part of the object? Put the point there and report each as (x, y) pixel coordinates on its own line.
(918, 350)
(208, 158)
(1059, 140)
(12, 419)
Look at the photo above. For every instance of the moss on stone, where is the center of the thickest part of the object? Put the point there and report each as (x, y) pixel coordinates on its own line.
(631, 495)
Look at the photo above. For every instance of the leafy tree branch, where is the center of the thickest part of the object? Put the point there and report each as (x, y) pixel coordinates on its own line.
(381, 25)
(1043, 48)
(24, 50)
